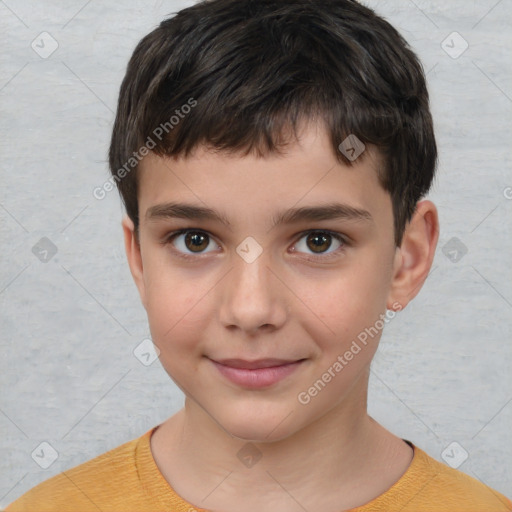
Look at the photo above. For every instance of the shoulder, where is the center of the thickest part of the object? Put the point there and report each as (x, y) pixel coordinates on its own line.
(434, 483)
(86, 486)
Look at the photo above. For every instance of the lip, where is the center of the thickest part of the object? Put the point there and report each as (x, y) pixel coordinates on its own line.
(264, 372)
(254, 365)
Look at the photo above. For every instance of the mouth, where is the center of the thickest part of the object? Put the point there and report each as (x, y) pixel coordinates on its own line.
(257, 364)
(256, 374)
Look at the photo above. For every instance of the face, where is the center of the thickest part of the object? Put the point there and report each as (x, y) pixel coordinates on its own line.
(242, 286)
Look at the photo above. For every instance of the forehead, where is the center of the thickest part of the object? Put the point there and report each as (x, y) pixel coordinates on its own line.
(306, 172)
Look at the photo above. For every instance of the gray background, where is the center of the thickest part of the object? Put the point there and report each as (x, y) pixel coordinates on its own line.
(70, 321)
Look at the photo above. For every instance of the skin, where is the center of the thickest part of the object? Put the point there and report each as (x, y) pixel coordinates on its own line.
(328, 454)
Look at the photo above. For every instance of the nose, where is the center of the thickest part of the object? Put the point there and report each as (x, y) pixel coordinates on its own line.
(252, 297)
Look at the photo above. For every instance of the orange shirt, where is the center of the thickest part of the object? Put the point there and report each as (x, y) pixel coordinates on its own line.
(126, 479)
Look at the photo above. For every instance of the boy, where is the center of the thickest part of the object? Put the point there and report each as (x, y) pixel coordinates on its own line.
(272, 158)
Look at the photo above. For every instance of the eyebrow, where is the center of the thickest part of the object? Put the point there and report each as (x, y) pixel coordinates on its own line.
(293, 215)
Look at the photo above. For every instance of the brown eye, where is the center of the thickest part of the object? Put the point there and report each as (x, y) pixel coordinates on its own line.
(318, 242)
(187, 242)
(196, 241)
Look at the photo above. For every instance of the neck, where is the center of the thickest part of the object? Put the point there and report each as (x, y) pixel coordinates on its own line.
(209, 467)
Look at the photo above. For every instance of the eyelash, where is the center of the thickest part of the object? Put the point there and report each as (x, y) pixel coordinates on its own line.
(340, 238)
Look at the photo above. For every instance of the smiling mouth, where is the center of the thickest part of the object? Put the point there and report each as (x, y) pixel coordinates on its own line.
(257, 364)
(264, 372)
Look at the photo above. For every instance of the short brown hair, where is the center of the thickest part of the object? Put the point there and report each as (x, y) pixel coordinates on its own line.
(256, 67)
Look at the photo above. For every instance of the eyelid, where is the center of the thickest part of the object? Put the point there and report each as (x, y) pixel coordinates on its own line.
(341, 237)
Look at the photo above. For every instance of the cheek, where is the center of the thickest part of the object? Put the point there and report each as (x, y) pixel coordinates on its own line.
(176, 329)
(179, 309)
(344, 305)
(346, 331)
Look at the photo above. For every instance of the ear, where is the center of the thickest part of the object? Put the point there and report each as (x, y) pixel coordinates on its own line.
(414, 257)
(133, 254)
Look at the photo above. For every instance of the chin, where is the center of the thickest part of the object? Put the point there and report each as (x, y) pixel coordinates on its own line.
(256, 433)
(258, 427)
